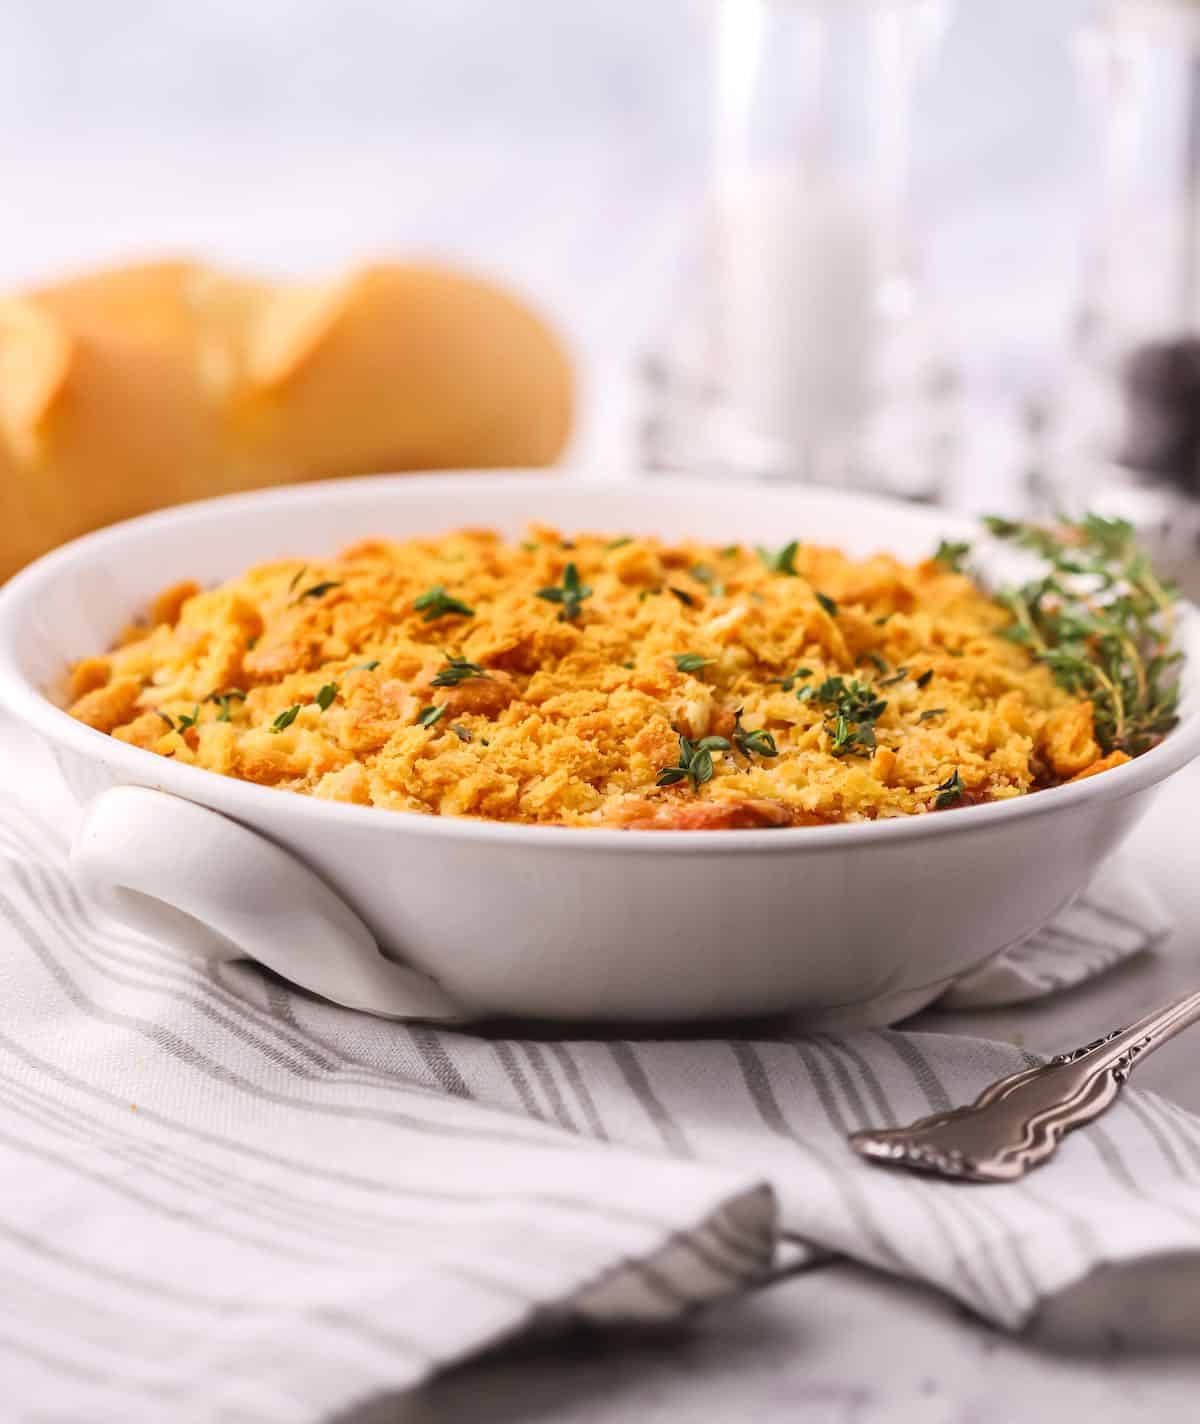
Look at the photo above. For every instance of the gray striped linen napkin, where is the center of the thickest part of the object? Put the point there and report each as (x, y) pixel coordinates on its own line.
(222, 1199)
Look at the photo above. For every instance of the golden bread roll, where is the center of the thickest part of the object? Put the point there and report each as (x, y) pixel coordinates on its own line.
(127, 390)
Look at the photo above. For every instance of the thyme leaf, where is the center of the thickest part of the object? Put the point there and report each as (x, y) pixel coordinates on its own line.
(569, 594)
(427, 716)
(695, 762)
(752, 743)
(949, 792)
(853, 708)
(435, 602)
(1101, 620)
(782, 562)
(286, 718)
(704, 574)
(318, 590)
(951, 554)
(458, 670)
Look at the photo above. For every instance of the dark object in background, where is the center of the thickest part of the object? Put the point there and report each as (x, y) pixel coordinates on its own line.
(1161, 436)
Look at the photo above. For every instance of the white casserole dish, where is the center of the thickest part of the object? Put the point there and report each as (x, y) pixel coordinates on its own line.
(843, 924)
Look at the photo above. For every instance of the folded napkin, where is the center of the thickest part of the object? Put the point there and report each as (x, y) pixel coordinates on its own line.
(222, 1199)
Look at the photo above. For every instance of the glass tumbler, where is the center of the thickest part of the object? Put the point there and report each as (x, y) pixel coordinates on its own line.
(797, 348)
(1128, 438)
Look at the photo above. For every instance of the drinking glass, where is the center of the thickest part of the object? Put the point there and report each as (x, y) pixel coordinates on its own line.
(798, 348)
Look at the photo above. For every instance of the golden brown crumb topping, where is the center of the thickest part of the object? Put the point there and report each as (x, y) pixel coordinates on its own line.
(596, 680)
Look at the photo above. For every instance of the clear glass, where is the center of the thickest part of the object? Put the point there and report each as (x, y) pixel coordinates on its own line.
(799, 348)
(1128, 429)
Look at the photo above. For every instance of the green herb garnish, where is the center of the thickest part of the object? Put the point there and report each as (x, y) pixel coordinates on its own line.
(853, 709)
(223, 700)
(827, 604)
(898, 676)
(189, 719)
(318, 590)
(931, 712)
(925, 678)
(458, 670)
(325, 697)
(683, 596)
(286, 718)
(1101, 621)
(705, 575)
(730, 551)
(427, 716)
(367, 667)
(619, 543)
(170, 721)
(570, 594)
(529, 546)
(462, 733)
(695, 762)
(435, 602)
(949, 792)
(876, 661)
(783, 562)
(951, 555)
(296, 577)
(787, 683)
(690, 662)
(752, 743)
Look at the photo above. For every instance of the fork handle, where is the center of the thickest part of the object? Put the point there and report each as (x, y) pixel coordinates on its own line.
(1120, 1051)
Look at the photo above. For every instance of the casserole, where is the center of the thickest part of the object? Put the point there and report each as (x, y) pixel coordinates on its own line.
(853, 923)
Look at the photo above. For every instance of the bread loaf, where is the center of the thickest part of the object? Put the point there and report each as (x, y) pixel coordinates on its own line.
(126, 390)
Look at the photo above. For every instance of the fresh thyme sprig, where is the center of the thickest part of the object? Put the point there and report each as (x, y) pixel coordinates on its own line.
(949, 792)
(224, 701)
(569, 594)
(458, 670)
(752, 743)
(435, 602)
(782, 562)
(951, 554)
(853, 708)
(695, 762)
(1101, 621)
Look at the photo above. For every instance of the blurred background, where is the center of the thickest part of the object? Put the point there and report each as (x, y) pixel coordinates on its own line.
(562, 147)
(567, 150)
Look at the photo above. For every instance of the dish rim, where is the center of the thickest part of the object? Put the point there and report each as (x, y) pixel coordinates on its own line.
(140, 767)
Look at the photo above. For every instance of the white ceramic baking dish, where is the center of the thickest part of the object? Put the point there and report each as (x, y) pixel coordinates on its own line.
(843, 924)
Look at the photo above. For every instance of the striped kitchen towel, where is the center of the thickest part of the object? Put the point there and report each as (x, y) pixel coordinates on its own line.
(224, 1200)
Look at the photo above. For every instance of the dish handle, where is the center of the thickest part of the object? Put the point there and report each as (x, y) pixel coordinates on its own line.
(209, 887)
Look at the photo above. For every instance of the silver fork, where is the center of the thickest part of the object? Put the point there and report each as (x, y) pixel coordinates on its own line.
(1017, 1123)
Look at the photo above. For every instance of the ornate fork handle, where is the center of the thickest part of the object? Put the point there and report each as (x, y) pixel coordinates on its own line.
(1018, 1122)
